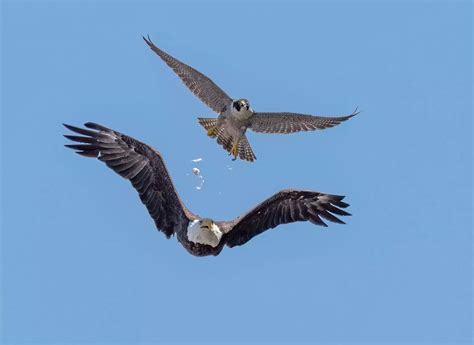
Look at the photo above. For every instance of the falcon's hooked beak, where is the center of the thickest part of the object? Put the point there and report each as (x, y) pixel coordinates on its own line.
(206, 223)
(244, 104)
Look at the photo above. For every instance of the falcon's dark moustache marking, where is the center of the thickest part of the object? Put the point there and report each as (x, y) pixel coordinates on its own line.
(237, 105)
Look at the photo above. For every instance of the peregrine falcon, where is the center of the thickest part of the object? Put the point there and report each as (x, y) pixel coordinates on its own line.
(236, 116)
(145, 168)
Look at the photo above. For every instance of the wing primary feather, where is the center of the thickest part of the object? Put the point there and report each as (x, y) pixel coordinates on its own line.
(89, 154)
(81, 147)
(109, 151)
(336, 210)
(80, 139)
(326, 215)
(97, 127)
(316, 220)
(141, 165)
(113, 156)
(335, 197)
(341, 204)
(81, 130)
(106, 139)
(285, 207)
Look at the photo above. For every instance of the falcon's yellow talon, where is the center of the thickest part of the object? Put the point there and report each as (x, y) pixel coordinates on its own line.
(235, 150)
(212, 132)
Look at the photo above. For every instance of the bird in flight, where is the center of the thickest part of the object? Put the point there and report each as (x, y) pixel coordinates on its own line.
(145, 168)
(236, 116)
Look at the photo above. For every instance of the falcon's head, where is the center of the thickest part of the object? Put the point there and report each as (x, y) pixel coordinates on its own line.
(241, 104)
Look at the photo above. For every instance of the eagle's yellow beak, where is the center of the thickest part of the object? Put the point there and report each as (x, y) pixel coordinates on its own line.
(206, 224)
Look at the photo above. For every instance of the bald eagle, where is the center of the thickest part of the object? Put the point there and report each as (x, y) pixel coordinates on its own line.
(145, 168)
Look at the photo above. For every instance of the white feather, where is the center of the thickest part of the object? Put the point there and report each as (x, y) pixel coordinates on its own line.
(210, 237)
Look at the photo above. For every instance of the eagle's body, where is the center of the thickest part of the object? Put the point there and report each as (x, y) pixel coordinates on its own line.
(236, 116)
(146, 170)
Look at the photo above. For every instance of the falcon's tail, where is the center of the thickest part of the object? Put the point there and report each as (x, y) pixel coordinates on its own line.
(216, 130)
(245, 150)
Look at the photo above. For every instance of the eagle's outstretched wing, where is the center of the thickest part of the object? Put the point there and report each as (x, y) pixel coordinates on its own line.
(203, 87)
(284, 207)
(141, 165)
(284, 123)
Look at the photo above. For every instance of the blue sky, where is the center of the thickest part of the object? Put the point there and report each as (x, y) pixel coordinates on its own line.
(81, 260)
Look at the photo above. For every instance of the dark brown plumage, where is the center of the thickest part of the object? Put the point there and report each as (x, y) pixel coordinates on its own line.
(286, 206)
(144, 167)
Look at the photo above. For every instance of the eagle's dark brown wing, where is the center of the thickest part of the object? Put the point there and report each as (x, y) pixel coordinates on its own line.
(203, 87)
(284, 207)
(284, 123)
(142, 166)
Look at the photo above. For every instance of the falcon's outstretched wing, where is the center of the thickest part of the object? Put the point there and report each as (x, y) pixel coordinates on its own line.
(140, 164)
(284, 207)
(203, 87)
(284, 123)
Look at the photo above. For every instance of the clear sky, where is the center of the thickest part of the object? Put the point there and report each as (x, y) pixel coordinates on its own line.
(81, 259)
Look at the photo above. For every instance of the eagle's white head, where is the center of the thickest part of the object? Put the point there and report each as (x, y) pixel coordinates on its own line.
(204, 231)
